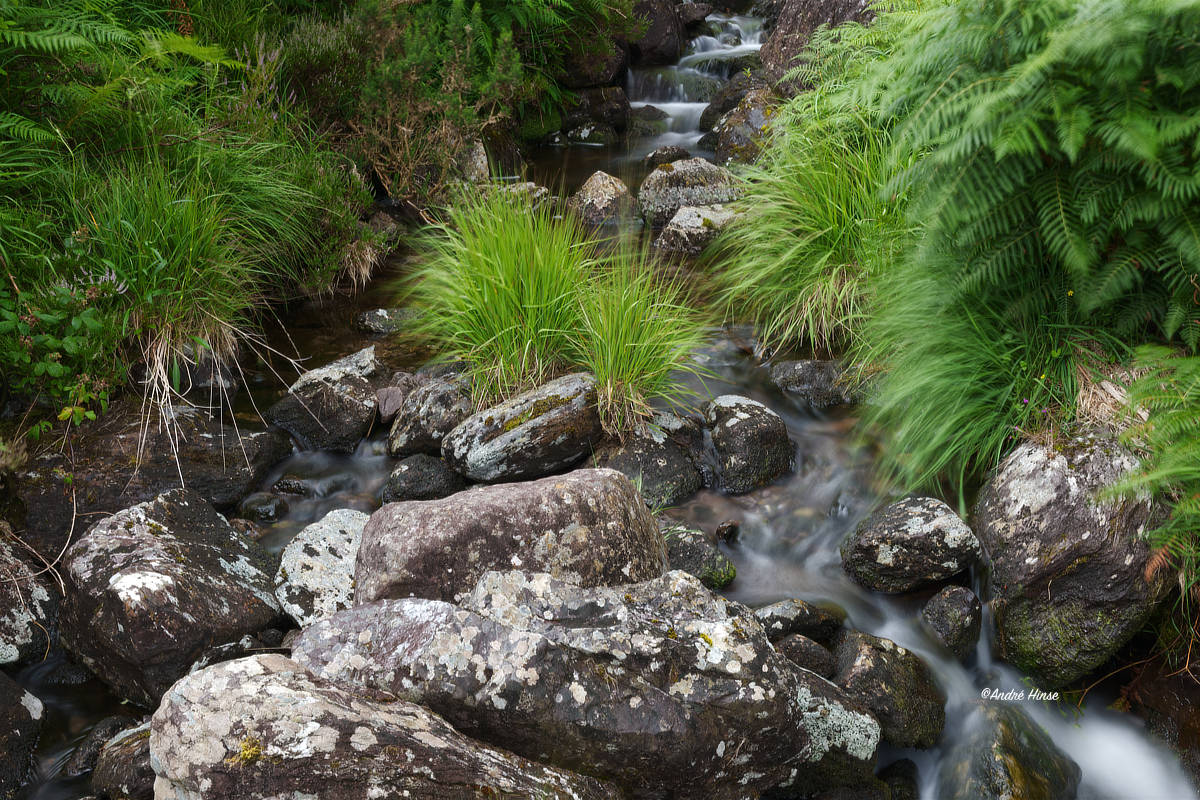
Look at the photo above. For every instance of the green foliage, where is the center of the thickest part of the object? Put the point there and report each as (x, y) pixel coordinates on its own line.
(523, 296)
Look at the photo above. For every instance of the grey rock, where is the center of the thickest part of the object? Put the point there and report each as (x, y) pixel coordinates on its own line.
(390, 399)
(422, 477)
(83, 758)
(895, 685)
(316, 573)
(1004, 754)
(151, 587)
(27, 607)
(1067, 581)
(667, 154)
(691, 182)
(589, 527)
(536, 433)
(663, 39)
(262, 727)
(818, 383)
(796, 616)
(955, 617)
(696, 553)
(914, 542)
(658, 460)
(604, 200)
(804, 652)
(427, 414)
(331, 408)
(123, 770)
(742, 131)
(652, 685)
(693, 228)
(751, 441)
(794, 22)
(380, 321)
(20, 728)
(475, 165)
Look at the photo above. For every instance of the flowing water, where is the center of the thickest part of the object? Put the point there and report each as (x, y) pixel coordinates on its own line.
(789, 532)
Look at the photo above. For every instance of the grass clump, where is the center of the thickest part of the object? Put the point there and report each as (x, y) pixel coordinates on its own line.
(522, 296)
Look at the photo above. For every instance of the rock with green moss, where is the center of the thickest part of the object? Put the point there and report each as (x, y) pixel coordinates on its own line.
(691, 182)
(1067, 568)
(123, 770)
(661, 687)
(693, 228)
(1003, 754)
(696, 553)
(264, 727)
(751, 441)
(536, 433)
(742, 131)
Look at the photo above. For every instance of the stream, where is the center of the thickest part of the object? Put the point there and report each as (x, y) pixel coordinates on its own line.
(789, 532)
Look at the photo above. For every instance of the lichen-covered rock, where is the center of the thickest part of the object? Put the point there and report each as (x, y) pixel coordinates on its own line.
(262, 727)
(1067, 581)
(804, 652)
(151, 587)
(331, 408)
(663, 38)
(691, 182)
(727, 98)
(751, 441)
(316, 573)
(83, 757)
(818, 383)
(20, 728)
(794, 22)
(380, 321)
(589, 527)
(910, 543)
(796, 616)
(955, 617)
(660, 687)
(895, 685)
(604, 200)
(1002, 755)
(26, 605)
(539, 432)
(742, 131)
(667, 154)
(657, 460)
(427, 414)
(595, 134)
(694, 228)
(123, 770)
(696, 553)
(422, 477)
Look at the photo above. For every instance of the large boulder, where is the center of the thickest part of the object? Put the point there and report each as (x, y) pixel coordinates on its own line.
(1001, 755)
(536, 433)
(691, 182)
(123, 770)
(795, 21)
(727, 98)
(910, 543)
(26, 605)
(817, 382)
(660, 687)
(422, 477)
(331, 408)
(20, 728)
(1067, 582)
(663, 37)
(751, 441)
(315, 578)
(262, 727)
(742, 131)
(604, 200)
(427, 414)
(659, 460)
(895, 685)
(151, 587)
(589, 527)
(693, 228)
(955, 617)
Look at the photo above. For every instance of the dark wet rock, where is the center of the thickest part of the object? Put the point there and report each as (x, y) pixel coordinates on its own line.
(607, 107)
(83, 758)
(693, 13)
(914, 542)
(751, 441)
(895, 685)
(590, 527)
(292, 485)
(1067, 577)
(332, 407)
(727, 99)
(27, 605)
(119, 462)
(804, 652)
(595, 134)
(742, 131)
(381, 321)
(390, 399)
(901, 778)
(693, 228)
(663, 38)
(315, 578)
(691, 182)
(708, 142)
(151, 587)
(1004, 754)
(205, 374)
(667, 154)
(794, 22)
(536, 433)
(604, 200)
(422, 477)
(794, 616)
(658, 460)
(428, 413)
(818, 383)
(654, 686)
(20, 728)
(600, 63)
(263, 727)
(648, 121)
(1167, 699)
(262, 507)
(728, 531)
(123, 770)
(696, 553)
(955, 617)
